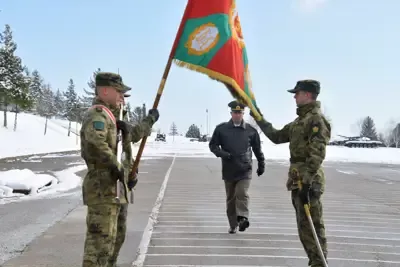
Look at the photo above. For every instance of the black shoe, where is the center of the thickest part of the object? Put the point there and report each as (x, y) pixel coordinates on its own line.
(232, 230)
(243, 224)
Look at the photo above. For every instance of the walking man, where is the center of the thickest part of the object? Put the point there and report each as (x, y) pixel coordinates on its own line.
(99, 150)
(233, 142)
(308, 135)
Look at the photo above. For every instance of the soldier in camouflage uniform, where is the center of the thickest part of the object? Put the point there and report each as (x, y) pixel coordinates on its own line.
(99, 150)
(308, 136)
(233, 142)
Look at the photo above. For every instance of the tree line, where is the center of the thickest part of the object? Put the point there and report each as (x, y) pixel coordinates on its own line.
(24, 90)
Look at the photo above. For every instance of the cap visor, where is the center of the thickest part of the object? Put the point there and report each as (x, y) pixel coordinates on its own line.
(292, 90)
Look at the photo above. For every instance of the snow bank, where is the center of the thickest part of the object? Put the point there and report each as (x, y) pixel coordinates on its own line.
(29, 136)
(25, 184)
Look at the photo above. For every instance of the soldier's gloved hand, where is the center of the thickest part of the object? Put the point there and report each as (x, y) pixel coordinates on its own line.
(132, 183)
(261, 168)
(304, 193)
(154, 113)
(118, 173)
(124, 126)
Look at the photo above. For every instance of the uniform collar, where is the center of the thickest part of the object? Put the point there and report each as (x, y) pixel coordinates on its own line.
(303, 110)
(242, 124)
(98, 101)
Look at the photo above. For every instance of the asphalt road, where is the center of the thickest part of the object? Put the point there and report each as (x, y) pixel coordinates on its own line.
(362, 214)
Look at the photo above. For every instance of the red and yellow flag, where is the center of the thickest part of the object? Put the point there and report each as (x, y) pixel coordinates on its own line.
(210, 41)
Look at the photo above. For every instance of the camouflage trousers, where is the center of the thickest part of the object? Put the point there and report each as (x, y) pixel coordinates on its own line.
(237, 200)
(105, 234)
(305, 231)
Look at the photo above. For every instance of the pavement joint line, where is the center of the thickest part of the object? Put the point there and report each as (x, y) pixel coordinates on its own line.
(166, 222)
(162, 219)
(278, 228)
(148, 231)
(256, 225)
(270, 248)
(255, 215)
(277, 234)
(188, 265)
(271, 240)
(263, 256)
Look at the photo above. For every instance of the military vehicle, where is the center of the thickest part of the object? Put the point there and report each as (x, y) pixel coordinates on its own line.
(356, 141)
(160, 137)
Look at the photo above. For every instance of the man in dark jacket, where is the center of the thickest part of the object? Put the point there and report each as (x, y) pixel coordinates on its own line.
(233, 142)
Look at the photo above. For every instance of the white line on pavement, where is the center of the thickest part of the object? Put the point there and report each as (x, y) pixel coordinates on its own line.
(263, 256)
(272, 240)
(273, 233)
(270, 248)
(148, 231)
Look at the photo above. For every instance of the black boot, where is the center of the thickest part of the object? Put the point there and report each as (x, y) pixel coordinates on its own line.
(243, 223)
(232, 230)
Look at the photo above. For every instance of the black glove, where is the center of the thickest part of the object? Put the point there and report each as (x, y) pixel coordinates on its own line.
(261, 168)
(225, 155)
(132, 183)
(154, 113)
(124, 126)
(118, 173)
(304, 193)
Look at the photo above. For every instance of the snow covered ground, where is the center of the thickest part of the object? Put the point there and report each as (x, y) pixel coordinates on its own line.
(29, 139)
(29, 136)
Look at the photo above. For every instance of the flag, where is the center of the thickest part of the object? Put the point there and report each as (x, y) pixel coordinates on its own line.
(210, 41)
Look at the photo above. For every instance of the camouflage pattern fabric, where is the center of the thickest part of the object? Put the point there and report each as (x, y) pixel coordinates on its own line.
(101, 232)
(305, 231)
(308, 136)
(99, 150)
(120, 235)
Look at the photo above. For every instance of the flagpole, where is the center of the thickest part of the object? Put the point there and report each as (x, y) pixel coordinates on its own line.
(160, 89)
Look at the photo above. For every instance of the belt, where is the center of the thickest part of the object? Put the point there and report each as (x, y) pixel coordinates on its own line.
(96, 166)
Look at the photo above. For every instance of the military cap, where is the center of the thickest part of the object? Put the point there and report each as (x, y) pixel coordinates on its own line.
(236, 106)
(111, 79)
(312, 86)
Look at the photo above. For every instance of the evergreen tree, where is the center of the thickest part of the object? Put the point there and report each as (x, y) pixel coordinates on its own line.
(368, 129)
(59, 103)
(137, 114)
(46, 105)
(91, 93)
(13, 82)
(174, 130)
(71, 103)
(36, 87)
(193, 131)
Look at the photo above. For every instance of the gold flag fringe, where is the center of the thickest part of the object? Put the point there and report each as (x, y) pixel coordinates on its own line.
(230, 83)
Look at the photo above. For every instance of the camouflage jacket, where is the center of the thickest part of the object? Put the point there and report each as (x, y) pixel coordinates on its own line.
(99, 150)
(139, 131)
(308, 136)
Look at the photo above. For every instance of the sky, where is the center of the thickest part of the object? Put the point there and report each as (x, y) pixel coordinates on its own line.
(351, 47)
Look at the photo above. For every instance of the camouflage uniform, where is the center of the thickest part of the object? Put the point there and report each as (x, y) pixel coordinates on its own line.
(308, 135)
(99, 150)
(139, 131)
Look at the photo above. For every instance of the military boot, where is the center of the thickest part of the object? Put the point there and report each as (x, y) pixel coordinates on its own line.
(232, 230)
(243, 223)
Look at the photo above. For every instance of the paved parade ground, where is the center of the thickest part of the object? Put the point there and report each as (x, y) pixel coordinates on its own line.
(189, 227)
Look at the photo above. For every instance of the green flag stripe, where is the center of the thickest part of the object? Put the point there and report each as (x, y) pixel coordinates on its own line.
(183, 52)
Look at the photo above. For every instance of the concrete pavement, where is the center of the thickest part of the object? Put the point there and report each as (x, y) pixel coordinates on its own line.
(362, 215)
(362, 219)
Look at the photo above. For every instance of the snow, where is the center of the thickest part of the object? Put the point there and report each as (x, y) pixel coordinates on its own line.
(35, 185)
(29, 136)
(185, 148)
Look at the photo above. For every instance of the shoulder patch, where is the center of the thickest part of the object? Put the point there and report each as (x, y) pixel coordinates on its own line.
(98, 125)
